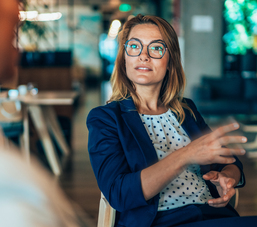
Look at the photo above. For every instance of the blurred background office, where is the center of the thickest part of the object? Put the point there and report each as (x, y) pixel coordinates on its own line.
(72, 45)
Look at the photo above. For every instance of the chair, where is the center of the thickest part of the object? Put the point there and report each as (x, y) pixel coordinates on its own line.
(234, 200)
(11, 121)
(250, 145)
(10, 118)
(106, 214)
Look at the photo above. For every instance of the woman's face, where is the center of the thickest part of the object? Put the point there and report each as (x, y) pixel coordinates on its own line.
(143, 70)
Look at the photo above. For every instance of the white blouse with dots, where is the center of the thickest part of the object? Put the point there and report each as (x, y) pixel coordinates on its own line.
(167, 136)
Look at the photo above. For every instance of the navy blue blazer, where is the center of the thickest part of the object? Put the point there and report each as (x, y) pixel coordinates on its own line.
(119, 148)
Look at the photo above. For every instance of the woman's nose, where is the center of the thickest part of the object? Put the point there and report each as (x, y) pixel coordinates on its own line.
(144, 55)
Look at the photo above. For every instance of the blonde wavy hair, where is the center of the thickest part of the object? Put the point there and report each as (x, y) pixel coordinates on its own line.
(171, 93)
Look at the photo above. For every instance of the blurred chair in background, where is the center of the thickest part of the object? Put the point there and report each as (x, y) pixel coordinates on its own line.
(11, 120)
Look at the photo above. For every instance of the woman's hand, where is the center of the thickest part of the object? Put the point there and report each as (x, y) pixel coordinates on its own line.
(207, 149)
(210, 148)
(224, 185)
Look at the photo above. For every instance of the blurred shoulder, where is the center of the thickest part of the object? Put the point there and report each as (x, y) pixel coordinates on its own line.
(109, 110)
(9, 10)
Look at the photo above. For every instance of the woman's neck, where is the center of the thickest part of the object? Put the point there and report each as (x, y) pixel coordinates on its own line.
(150, 102)
(151, 106)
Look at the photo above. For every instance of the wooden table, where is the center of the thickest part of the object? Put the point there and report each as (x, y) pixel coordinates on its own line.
(40, 108)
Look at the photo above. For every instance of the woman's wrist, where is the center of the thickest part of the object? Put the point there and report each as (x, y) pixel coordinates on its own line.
(187, 158)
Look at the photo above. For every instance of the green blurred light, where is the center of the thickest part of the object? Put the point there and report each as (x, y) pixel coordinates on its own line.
(125, 7)
(240, 28)
(241, 20)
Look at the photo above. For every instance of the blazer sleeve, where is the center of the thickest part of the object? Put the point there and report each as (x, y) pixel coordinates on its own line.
(121, 187)
(205, 129)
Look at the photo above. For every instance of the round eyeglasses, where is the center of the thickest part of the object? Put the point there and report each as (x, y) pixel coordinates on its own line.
(155, 49)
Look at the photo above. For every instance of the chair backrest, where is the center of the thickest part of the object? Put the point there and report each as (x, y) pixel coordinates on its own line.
(234, 200)
(11, 121)
(11, 118)
(106, 215)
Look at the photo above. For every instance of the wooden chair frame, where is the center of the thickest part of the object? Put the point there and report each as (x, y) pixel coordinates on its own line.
(250, 145)
(106, 215)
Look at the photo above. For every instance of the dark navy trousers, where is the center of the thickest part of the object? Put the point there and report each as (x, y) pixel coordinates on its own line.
(202, 216)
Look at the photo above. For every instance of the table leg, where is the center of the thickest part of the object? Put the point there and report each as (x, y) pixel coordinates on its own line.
(24, 138)
(55, 128)
(39, 122)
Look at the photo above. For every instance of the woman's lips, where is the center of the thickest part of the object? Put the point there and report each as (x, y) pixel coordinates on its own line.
(143, 69)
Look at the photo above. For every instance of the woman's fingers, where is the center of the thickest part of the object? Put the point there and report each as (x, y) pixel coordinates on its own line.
(220, 155)
(209, 148)
(225, 140)
(228, 152)
(225, 155)
(230, 183)
(224, 160)
(221, 131)
(212, 175)
(219, 202)
(223, 200)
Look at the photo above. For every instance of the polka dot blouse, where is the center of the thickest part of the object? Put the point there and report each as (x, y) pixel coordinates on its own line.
(167, 136)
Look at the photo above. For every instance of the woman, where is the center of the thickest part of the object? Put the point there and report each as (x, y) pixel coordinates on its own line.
(149, 147)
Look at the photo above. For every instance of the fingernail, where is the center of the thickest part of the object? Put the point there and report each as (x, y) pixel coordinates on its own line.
(244, 139)
(210, 202)
(242, 151)
(236, 125)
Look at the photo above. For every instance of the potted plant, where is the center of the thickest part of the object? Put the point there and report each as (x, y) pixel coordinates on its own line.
(34, 31)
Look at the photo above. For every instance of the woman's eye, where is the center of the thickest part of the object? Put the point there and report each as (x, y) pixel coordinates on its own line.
(158, 48)
(134, 46)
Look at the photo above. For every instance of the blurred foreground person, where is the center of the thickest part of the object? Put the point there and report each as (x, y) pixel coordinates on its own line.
(8, 54)
(29, 196)
(155, 159)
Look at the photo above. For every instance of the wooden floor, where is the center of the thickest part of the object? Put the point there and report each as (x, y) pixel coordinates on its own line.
(79, 183)
(78, 179)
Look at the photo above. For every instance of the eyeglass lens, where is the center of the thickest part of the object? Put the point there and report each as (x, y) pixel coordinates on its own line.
(155, 49)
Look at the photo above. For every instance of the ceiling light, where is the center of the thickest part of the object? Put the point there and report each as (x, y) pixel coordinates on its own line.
(114, 29)
(125, 7)
(28, 15)
(35, 16)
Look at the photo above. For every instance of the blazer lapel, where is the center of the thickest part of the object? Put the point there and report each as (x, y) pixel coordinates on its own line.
(136, 127)
(134, 123)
